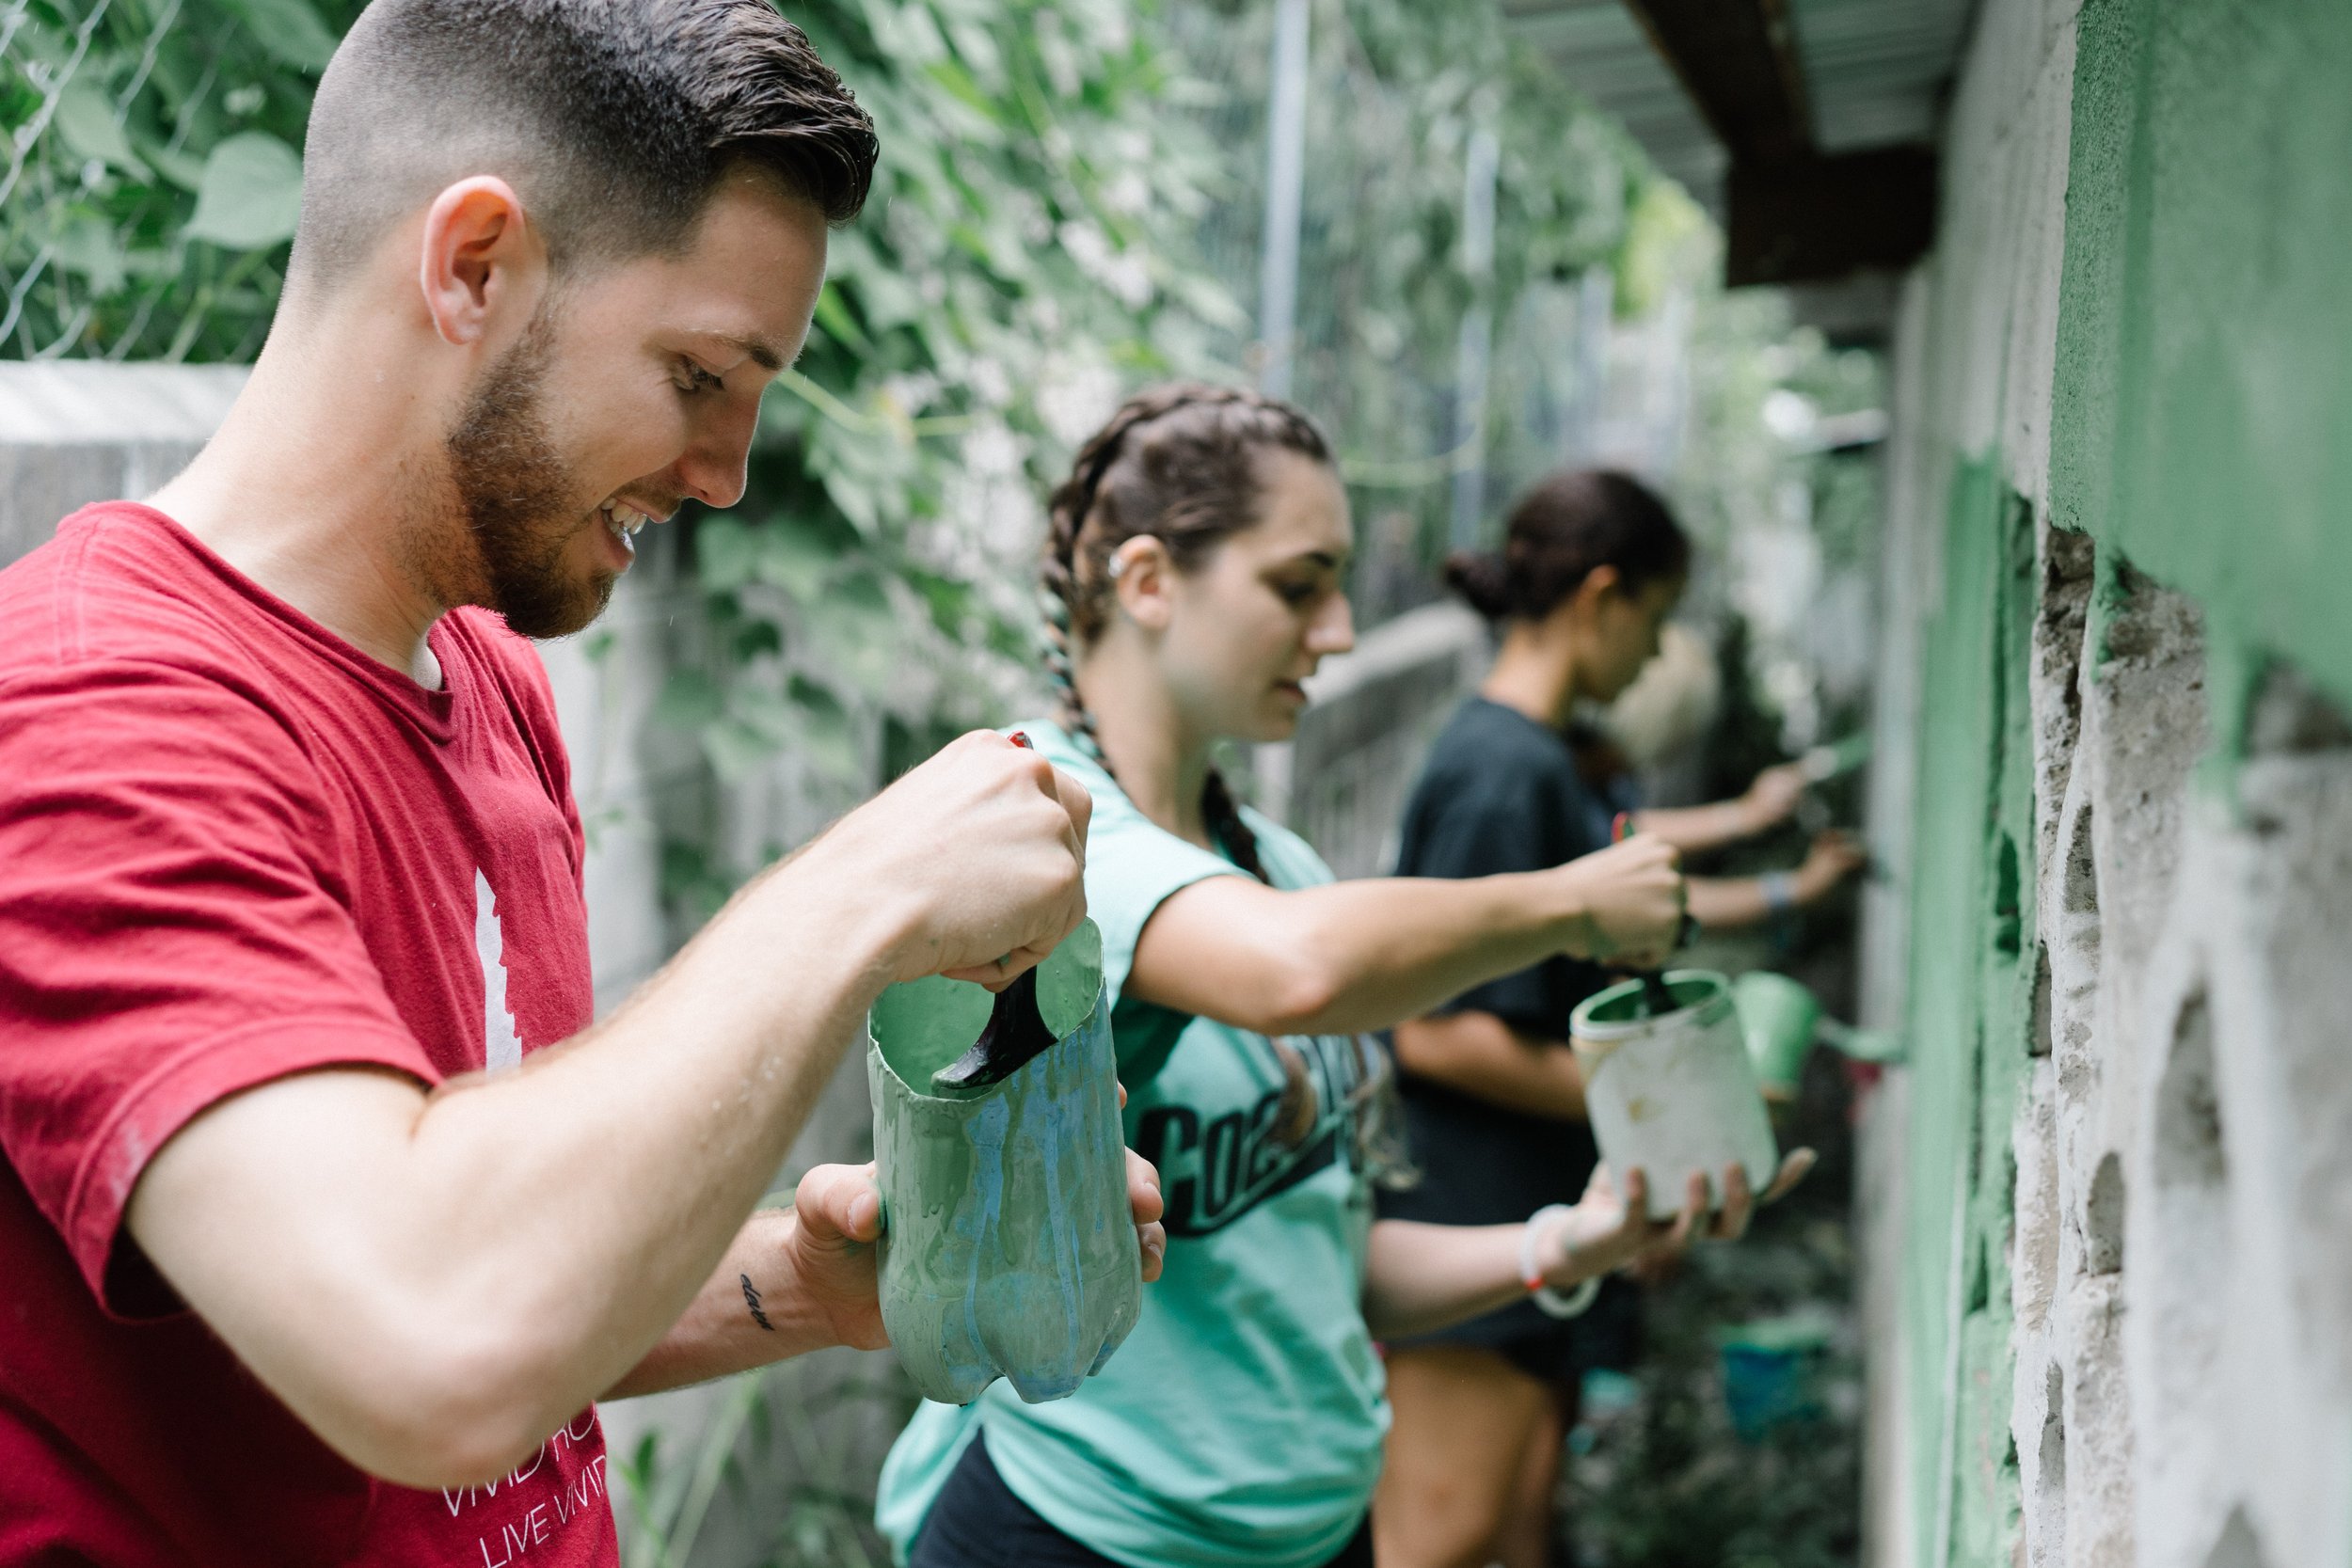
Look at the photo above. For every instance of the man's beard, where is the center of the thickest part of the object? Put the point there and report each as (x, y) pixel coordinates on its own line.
(519, 506)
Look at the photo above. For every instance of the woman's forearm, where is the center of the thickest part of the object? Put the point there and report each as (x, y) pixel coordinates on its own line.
(1364, 955)
(1348, 955)
(1477, 1053)
(1420, 1278)
(1728, 901)
(1693, 829)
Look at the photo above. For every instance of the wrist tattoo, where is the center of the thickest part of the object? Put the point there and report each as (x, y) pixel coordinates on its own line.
(751, 1299)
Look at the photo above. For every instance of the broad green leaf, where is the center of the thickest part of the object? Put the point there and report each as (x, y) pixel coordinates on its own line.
(726, 552)
(797, 559)
(767, 714)
(250, 195)
(736, 751)
(888, 298)
(827, 739)
(290, 30)
(952, 75)
(87, 120)
(180, 168)
(832, 314)
(688, 700)
(88, 248)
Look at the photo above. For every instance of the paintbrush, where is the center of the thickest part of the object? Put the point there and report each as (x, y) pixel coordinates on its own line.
(1016, 1034)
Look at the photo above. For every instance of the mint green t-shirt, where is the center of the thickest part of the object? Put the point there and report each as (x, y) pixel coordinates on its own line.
(1240, 1422)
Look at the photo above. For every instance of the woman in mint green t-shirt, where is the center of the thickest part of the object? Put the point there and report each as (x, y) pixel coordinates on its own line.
(1194, 578)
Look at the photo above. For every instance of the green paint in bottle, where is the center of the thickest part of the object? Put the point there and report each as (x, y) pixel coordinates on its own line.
(1009, 1248)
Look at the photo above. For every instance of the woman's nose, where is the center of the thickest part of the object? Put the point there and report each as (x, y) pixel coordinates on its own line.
(1334, 631)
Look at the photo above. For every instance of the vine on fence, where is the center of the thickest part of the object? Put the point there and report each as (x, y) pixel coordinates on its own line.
(1068, 205)
(152, 179)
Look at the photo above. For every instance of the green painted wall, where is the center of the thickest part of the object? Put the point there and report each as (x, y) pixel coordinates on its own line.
(2202, 429)
(1971, 993)
(2201, 419)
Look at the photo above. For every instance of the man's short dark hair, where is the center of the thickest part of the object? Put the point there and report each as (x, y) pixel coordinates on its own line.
(614, 119)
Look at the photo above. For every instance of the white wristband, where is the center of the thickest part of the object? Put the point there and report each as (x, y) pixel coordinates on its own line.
(1553, 1303)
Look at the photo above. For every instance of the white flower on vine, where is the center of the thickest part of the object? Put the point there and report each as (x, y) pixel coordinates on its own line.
(1074, 395)
(912, 392)
(989, 381)
(1128, 193)
(992, 451)
(1125, 274)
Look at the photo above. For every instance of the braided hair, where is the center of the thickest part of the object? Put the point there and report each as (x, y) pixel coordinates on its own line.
(1178, 463)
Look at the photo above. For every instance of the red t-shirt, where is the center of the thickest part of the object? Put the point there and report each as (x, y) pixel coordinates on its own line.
(231, 847)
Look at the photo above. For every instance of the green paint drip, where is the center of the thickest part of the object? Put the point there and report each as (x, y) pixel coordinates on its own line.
(2234, 669)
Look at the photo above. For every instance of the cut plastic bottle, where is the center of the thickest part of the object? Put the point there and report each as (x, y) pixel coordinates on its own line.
(1007, 1249)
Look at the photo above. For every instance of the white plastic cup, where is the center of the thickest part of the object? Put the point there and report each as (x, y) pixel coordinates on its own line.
(1672, 1093)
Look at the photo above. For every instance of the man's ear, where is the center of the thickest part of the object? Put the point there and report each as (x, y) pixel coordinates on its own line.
(482, 259)
(1143, 575)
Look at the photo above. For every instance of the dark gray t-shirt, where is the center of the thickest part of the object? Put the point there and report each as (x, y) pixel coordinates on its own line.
(1500, 793)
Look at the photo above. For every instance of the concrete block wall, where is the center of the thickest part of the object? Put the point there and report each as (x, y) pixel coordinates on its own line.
(2108, 1228)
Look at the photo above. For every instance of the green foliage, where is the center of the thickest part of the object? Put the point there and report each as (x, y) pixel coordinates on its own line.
(768, 1482)
(1068, 206)
(152, 179)
(1397, 90)
(1020, 265)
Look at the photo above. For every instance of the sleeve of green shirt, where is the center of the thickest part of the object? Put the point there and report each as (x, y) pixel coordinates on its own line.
(1133, 866)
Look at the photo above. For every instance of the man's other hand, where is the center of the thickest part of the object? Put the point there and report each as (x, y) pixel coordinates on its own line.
(838, 1210)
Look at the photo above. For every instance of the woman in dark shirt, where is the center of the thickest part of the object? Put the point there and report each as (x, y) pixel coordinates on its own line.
(1592, 565)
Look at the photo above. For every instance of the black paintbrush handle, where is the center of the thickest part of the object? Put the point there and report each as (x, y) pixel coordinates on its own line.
(1016, 1034)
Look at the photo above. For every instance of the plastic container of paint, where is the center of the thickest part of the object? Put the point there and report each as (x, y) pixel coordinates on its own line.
(1008, 1246)
(1674, 1092)
(1780, 1018)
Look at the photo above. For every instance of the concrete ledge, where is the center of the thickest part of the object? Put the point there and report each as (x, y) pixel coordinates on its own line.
(65, 403)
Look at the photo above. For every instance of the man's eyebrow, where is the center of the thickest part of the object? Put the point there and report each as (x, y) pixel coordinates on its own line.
(759, 351)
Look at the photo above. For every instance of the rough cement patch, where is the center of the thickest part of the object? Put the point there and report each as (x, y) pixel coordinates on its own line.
(2297, 810)
(2098, 1487)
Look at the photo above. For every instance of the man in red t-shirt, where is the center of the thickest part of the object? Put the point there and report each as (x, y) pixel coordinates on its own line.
(326, 1216)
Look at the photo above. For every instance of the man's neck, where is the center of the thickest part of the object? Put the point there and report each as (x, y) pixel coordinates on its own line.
(309, 489)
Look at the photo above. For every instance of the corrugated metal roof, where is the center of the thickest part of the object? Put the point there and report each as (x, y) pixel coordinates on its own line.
(1878, 69)
(1876, 73)
(1604, 54)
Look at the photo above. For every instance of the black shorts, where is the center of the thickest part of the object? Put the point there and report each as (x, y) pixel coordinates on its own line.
(977, 1523)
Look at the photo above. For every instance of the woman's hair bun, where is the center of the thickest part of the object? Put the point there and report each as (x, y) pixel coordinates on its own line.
(1563, 531)
(1483, 581)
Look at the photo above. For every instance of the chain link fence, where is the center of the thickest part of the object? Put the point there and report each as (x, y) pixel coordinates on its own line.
(152, 178)
(1392, 289)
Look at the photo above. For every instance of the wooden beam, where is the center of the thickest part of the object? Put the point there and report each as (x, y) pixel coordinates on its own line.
(1813, 218)
(1737, 60)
